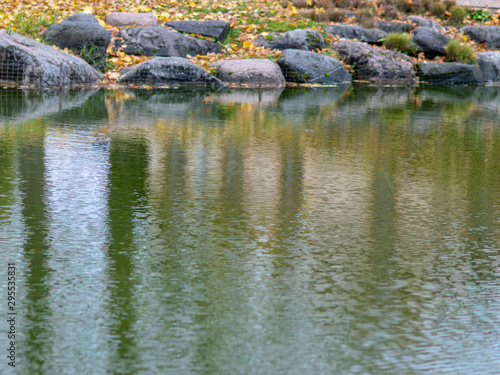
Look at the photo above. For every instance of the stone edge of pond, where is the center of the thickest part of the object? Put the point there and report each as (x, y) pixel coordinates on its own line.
(261, 73)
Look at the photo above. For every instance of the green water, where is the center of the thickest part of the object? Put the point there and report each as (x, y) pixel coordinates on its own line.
(351, 230)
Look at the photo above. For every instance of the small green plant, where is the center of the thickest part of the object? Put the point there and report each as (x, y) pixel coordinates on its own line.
(365, 17)
(438, 9)
(88, 54)
(108, 65)
(92, 55)
(449, 4)
(480, 15)
(232, 36)
(457, 14)
(399, 42)
(456, 52)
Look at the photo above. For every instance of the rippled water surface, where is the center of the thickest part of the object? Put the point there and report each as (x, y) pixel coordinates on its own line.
(347, 230)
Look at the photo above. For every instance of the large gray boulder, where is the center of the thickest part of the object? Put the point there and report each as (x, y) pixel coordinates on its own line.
(489, 63)
(308, 67)
(215, 29)
(359, 33)
(121, 19)
(170, 71)
(394, 27)
(307, 40)
(430, 41)
(83, 35)
(489, 35)
(29, 63)
(450, 73)
(376, 64)
(250, 73)
(424, 22)
(156, 41)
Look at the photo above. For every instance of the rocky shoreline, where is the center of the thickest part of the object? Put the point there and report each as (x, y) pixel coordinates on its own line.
(356, 54)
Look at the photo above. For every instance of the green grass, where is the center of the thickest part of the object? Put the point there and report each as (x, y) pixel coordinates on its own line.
(463, 53)
(457, 14)
(281, 27)
(31, 25)
(232, 37)
(399, 42)
(479, 15)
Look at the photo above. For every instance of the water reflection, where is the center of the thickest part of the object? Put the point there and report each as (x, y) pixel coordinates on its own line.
(340, 230)
(37, 346)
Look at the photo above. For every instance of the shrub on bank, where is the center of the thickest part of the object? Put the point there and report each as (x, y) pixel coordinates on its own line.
(456, 52)
(438, 9)
(457, 14)
(400, 42)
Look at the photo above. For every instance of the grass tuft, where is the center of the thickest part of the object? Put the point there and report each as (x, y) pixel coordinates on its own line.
(438, 9)
(400, 42)
(457, 14)
(463, 53)
(366, 17)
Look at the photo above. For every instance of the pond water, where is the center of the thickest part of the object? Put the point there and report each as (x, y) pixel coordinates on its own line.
(347, 230)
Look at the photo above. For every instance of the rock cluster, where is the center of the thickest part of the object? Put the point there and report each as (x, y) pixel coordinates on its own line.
(27, 62)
